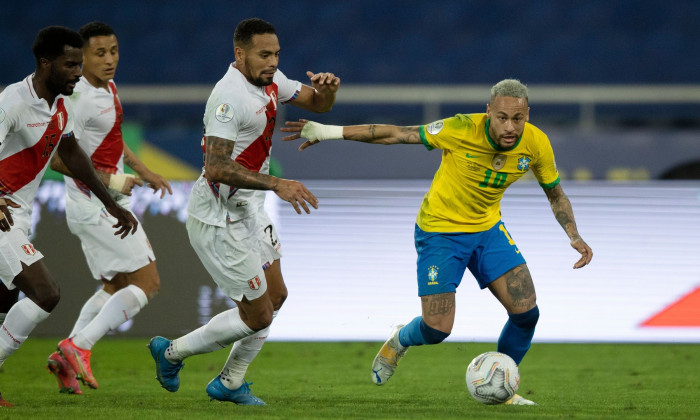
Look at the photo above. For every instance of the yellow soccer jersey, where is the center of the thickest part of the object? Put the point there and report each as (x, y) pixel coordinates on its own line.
(466, 192)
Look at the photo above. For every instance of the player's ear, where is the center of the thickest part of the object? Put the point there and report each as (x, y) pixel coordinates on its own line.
(488, 110)
(239, 54)
(527, 115)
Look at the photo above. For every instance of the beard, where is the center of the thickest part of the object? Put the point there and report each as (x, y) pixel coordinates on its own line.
(56, 84)
(258, 81)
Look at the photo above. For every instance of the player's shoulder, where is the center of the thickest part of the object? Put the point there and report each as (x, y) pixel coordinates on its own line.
(465, 122)
(535, 132)
(13, 100)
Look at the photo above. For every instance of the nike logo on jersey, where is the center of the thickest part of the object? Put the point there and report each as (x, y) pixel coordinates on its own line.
(472, 156)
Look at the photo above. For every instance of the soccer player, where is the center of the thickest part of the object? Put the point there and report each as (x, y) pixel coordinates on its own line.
(227, 225)
(36, 121)
(459, 222)
(126, 268)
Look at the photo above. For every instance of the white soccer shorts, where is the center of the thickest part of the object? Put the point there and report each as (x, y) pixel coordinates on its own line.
(271, 247)
(15, 249)
(107, 254)
(232, 255)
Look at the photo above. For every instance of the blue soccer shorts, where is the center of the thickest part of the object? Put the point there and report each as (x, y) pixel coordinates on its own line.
(443, 257)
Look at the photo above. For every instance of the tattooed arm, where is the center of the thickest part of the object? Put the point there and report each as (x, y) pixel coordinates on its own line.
(370, 133)
(220, 167)
(561, 207)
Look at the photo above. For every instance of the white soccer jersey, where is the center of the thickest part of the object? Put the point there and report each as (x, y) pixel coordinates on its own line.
(246, 114)
(29, 134)
(98, 118)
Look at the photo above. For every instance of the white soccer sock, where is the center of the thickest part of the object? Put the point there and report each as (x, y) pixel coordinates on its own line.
(90, 309)
(21, 319)
(122, 306)
(241, 356)
(219, 332)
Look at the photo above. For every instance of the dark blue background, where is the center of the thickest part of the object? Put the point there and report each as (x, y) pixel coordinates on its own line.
(389, 41)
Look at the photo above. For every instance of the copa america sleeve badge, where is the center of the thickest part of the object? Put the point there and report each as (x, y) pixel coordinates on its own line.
(498, 162)
(224, 113)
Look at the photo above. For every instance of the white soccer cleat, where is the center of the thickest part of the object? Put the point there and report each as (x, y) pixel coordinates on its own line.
(518, 400)
(388, 358)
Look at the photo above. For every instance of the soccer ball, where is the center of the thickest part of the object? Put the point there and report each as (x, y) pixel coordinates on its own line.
(492, 378)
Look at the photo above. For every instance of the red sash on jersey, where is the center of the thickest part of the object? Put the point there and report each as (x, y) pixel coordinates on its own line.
(21, 168)
(111, 149)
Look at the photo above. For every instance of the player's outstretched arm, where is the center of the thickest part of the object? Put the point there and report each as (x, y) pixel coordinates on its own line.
(122, 183)
(314, 133)
(219, 167)
(80, 166)
(564, 213)
(154, 180)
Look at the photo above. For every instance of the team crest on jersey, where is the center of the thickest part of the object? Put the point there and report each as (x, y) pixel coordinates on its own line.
(224, 113)
(254, 283)
(29, 249)
(524, 163)
(61, 119)
(432, 275)
(435, 127)
(498, 162)
(273, 97)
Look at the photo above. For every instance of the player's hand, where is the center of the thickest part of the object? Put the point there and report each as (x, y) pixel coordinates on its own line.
(124, 183)
(6, 215)
(297, 127)
(324, 82)
(585, 251)
(126, 222)
(296, 194)
(313, 132)
(157, 183)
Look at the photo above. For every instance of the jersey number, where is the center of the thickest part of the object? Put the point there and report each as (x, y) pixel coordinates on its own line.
(272, 239)
(498, 180)
(48, 146)
(502, 228)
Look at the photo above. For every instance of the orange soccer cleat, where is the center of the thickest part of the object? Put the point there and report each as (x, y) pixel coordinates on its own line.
(79, 360)
(65, 375)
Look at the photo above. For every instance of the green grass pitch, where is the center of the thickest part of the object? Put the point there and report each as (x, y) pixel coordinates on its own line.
(316, 380)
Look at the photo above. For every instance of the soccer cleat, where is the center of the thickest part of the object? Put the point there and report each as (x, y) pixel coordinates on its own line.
(518, 400)
(79, 361)
(166, 372)
(241, 396)
(5, 403)
(65, 375)
(388, 358)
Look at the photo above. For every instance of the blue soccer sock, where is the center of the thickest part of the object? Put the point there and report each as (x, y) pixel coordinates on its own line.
(417, 333)
(517, 334)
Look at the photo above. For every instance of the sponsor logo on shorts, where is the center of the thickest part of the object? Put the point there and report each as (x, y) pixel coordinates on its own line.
(29, 249)
(254, 283)
(432, 275)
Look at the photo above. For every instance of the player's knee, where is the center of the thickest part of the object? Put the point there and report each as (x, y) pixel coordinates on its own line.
(526, 320)
(431, 335)
(257, 318)
(278, 299)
